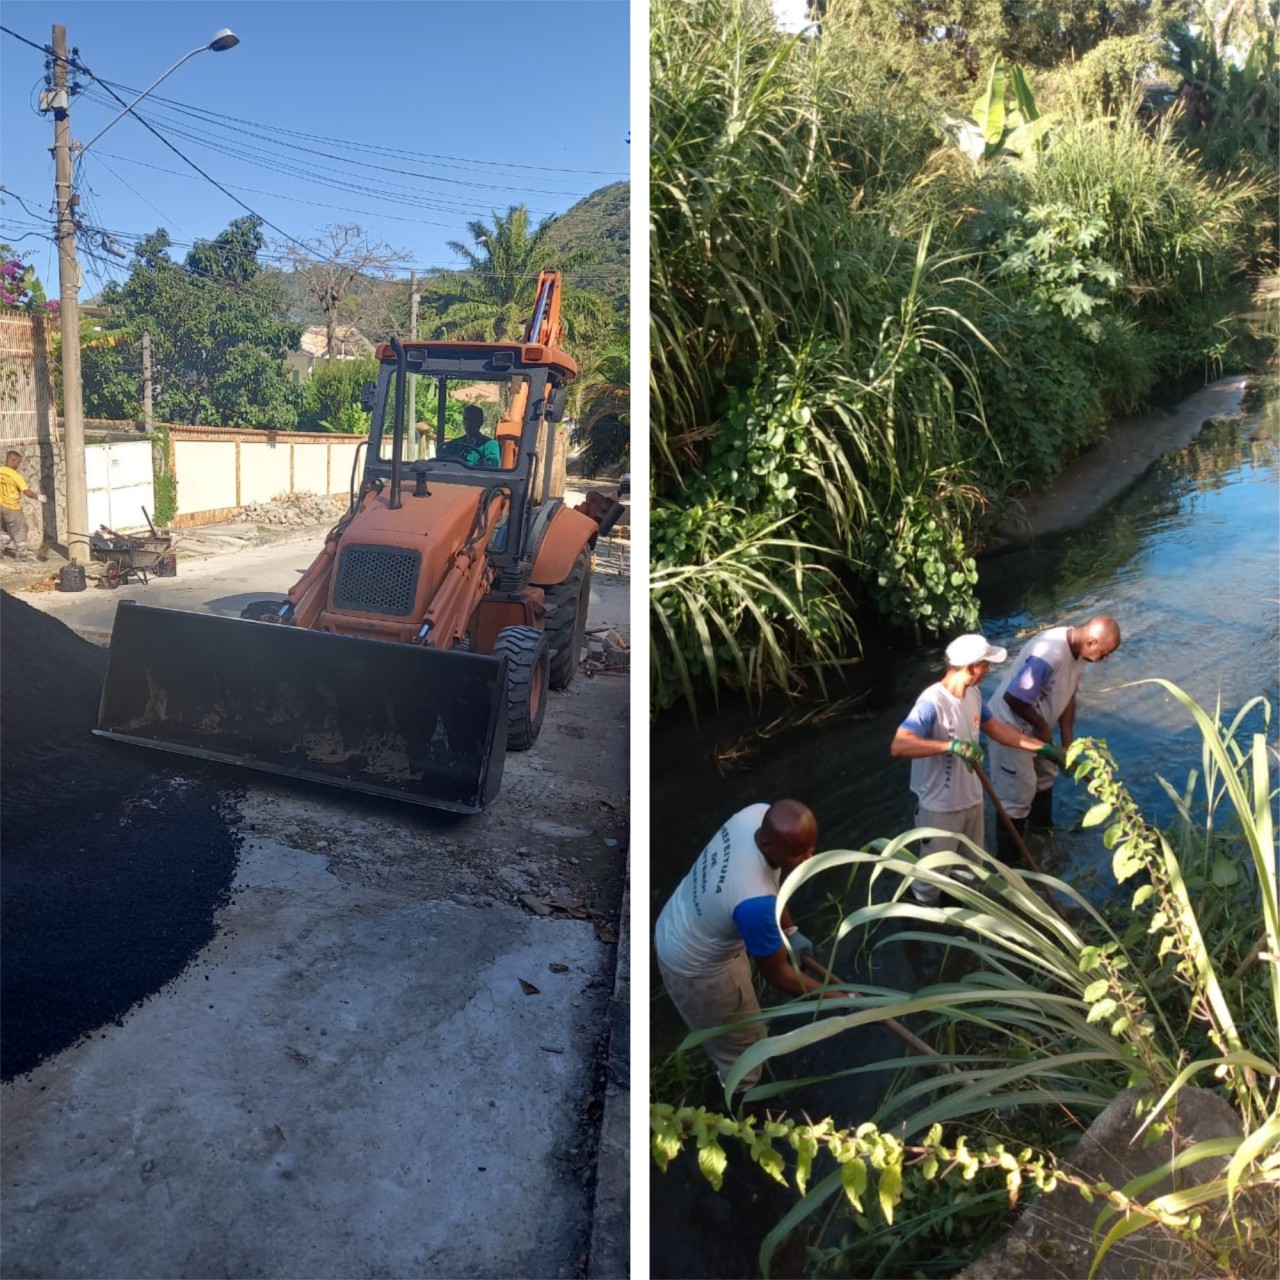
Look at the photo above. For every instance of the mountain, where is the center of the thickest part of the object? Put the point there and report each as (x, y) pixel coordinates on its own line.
(601, 224)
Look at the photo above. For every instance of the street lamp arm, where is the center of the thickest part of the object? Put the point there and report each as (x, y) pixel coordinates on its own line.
(223, 40)
(140, 97)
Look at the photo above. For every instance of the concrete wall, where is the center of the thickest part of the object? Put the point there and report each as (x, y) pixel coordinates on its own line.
(206, 472)
(219, 470)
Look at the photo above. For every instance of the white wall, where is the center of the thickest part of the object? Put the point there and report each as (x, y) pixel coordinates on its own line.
(265, 471)
(215, 476)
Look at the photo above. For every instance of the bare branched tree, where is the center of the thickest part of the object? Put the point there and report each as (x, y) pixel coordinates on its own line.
(331, 263)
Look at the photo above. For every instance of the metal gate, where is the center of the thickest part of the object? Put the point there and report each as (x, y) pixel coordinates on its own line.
(120, 484)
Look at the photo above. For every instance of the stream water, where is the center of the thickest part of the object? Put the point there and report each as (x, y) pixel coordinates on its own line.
(1188, 562)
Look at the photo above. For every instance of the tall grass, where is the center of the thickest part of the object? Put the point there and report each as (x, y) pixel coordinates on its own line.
(803, 348)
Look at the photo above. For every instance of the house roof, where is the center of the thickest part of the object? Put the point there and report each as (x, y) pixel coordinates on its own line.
(314, 341)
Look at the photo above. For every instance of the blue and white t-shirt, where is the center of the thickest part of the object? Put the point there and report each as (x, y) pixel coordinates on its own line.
(946, 784)
(728, 899)
(1045, 676)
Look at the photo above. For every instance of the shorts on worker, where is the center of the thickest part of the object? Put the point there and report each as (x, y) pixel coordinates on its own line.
(1017, 775)
(715, 999)
(13, 528)
(963, 822)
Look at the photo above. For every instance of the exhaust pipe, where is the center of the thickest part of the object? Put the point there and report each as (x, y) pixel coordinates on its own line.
(398, 428)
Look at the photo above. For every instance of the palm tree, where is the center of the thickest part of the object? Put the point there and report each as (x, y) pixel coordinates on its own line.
(602, 404)
(492, 297)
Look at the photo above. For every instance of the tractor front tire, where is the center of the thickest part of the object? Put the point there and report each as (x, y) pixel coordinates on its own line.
(261, 610)
(528, 653)
(567, 603)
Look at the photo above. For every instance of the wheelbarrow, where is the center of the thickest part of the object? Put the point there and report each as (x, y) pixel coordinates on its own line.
(130, 559)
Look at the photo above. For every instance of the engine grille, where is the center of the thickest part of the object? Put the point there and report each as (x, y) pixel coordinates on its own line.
(374, 579)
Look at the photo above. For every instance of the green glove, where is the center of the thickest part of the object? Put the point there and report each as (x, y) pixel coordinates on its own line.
(969, 752)
(1053, 755)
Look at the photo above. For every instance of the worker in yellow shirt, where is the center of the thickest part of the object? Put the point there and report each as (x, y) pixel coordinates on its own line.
(13, 524)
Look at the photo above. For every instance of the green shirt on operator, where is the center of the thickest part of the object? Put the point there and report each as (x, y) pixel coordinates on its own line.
(473, 448)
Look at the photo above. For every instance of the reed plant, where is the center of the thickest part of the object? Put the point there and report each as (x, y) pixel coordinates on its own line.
(1175, 981)
(803, 354)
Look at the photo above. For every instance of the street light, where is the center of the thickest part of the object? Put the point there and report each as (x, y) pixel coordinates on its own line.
(69, 280)
(225, 39)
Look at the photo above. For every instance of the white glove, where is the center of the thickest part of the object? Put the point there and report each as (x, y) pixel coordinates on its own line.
(43, 497)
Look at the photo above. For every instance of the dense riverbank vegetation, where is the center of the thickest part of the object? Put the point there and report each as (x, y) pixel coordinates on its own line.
(1057, 1005)
(900, 278)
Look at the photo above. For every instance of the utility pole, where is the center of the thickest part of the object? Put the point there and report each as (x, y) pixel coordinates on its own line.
(69, 310)
(148, 419)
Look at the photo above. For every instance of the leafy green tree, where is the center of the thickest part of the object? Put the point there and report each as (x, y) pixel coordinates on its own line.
(219, 333)
(333, 392)
(492, 299)
(110, 368)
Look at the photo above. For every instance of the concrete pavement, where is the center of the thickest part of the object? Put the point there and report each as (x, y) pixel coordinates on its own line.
(354, 1078)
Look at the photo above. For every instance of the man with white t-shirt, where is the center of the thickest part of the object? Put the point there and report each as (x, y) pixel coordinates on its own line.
(1038, 694)
(940, 738)
(725, 910)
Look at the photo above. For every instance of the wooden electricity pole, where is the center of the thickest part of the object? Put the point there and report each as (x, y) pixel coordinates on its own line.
(69, 310)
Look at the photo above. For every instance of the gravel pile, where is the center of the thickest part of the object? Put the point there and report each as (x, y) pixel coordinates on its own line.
(294, 509)
(113, 860)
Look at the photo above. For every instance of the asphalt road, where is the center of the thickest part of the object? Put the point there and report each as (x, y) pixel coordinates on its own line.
(389, 1058)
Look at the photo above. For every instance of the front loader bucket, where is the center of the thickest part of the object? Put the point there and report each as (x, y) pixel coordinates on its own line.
(426, 726)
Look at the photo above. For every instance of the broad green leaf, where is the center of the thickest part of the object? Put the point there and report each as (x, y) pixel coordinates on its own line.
(890, 1190)
(1097, 813)
(853, 1177)
(712, 1161)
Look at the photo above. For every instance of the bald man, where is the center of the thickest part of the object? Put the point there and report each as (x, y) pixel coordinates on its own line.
(1037, 694)
(725, 910)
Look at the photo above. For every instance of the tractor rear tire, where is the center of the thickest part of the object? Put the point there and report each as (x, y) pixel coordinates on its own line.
(567, 604)
(528, 671)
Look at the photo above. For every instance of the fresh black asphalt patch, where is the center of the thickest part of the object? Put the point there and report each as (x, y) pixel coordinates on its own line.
(113, 860)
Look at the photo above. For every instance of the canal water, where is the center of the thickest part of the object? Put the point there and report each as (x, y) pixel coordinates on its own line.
(1188, 562)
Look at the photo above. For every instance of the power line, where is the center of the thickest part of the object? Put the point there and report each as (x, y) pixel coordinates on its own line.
(360, 182)
(371, 147)
(42, 48)
(278, 195)
(337, 185)
(139, 194)
(196, 167)
(5, 191)
(411, 173)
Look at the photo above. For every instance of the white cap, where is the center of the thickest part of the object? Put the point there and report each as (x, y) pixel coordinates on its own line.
(964, 651)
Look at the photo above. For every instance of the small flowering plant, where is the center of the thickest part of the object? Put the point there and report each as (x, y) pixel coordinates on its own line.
(19, 287)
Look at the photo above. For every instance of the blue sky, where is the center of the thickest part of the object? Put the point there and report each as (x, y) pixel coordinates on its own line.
(449, 109)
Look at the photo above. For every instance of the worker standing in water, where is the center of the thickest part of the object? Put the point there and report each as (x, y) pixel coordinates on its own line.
(941, 739)
(1037, 695)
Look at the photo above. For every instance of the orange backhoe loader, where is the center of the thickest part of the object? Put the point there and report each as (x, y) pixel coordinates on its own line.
(421, 643)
